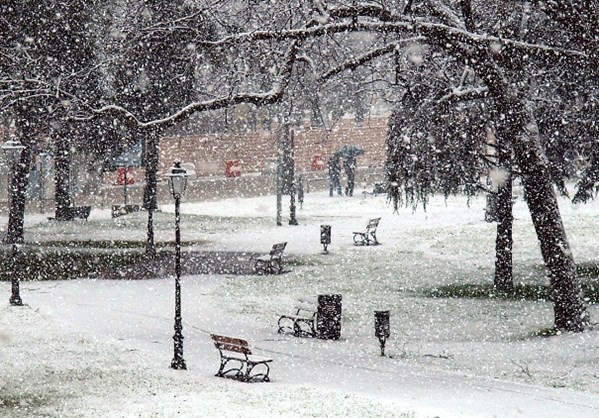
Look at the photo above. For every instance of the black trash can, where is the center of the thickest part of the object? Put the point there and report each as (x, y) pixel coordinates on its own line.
(329, 317)
(382, 328)
(325, 236)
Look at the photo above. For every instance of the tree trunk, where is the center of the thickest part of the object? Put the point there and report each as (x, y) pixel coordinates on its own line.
(504, 279)
(521, 131)
(19, 177)
(62, 177)
(569, 310)
(152, 139)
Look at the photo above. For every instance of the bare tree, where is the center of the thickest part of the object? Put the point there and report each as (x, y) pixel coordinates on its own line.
(441, 25)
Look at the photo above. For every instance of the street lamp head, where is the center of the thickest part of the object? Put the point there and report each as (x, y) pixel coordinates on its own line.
(177, 180)
(12, 150)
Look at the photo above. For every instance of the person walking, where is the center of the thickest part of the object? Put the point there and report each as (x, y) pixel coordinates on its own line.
(349, 164)
(334, 173)
(300, 190)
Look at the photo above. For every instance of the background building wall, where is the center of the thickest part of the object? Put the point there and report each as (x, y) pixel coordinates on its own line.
(207, 154)
(257, 150)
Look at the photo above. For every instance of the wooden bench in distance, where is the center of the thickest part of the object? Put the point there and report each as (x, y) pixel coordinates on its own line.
(237, 352)
(271, 262)
(369, 236)
(120, 210)
(303, 322)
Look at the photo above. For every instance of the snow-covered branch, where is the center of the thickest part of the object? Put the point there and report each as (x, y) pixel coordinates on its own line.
(444, 13)
(258, 98)
(356, 62)
(437, 33)
(465, 94)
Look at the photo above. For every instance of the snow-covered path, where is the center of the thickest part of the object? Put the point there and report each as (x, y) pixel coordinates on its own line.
(135, 315)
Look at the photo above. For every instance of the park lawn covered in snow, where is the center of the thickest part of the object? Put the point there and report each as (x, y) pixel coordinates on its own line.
(103, 347)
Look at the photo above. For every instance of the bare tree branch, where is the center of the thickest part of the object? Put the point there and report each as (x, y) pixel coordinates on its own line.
(258, 98)
(434, 32)
(369, 56)
(466, 94)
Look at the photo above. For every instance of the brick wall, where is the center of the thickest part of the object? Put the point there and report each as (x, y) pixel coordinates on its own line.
(255, 150)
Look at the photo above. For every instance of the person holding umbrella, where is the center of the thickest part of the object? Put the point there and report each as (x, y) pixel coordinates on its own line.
(349, 164)
(334, 172)
(349, 153)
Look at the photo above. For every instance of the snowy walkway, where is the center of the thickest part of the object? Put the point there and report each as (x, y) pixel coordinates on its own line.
(134, 316)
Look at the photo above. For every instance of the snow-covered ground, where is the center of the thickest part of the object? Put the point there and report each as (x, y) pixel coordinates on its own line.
(93, 348)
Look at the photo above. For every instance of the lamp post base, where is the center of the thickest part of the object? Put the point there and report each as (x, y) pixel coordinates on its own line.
(178, 364)
(15, 295)
(15, 300)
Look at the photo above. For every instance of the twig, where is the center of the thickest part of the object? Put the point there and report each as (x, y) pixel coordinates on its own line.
(524, 369)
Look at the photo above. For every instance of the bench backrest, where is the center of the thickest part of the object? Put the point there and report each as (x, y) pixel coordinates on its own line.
(231, 344)
(306, 306)
(277, 250)
(372, 224)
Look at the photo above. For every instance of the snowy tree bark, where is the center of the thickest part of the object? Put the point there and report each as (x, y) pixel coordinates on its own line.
(62, 177)
(569, 310)
(504, 278)
(520, 129)
(19, 178)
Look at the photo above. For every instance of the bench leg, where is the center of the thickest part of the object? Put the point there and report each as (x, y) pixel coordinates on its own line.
(299, 332)
(297, 329)
(282, 327)
(225, 373)
(360, 239)
(373, 241)
(261, 267)
(276, 267)
(258, 377)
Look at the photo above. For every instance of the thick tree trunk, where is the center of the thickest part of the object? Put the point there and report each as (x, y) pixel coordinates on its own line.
(150, 202)
(520, 130)
(569, 310)
(62, 177)
(504, 279)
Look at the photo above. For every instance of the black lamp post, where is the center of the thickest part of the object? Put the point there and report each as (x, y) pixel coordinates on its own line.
(178, 183)
(12, 151)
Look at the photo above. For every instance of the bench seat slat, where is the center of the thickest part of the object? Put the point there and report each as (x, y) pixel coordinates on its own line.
(298, 317)
(233, 348)
(306, 306)
(251, 357)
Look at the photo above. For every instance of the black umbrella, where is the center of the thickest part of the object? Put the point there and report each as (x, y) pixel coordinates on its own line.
(349, 151)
